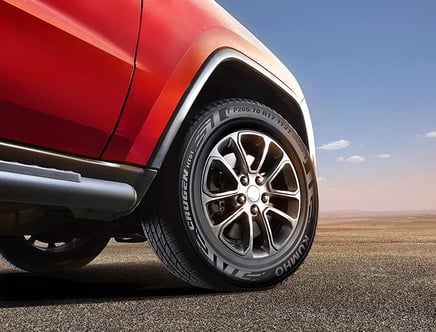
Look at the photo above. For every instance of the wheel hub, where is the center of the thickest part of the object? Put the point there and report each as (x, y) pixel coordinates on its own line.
(253, 194)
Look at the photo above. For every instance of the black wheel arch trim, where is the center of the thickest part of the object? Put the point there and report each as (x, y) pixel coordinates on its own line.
(210, 66)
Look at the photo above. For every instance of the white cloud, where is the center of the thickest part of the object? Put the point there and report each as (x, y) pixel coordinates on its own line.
(352, 159)
(335, 145)
(321, 179)
(418, 136)
(431, 134)
(356, 159)
(384, 156)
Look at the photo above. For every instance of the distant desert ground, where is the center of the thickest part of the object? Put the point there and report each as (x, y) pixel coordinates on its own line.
(424, 218)
(415, 228)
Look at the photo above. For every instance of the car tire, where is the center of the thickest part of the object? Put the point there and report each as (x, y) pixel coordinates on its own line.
(235, 205)
(39, 254)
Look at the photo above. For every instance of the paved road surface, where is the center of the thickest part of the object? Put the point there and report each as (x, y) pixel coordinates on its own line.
(375, 275)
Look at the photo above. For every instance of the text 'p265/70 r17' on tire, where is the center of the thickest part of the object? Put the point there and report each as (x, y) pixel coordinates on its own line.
(236, 207)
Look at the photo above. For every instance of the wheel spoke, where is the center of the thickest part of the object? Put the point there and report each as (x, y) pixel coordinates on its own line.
(249, 251)
(215, 155)
(269, 178)
(283, 215)
(286, 194)
(264, 155)
(283, 182)
(220, 206)
(255, 147)
(241, 155)
(208, 197)
(269, 235)
(219, 228)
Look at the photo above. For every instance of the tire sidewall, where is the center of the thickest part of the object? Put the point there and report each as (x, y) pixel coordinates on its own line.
(221, 119)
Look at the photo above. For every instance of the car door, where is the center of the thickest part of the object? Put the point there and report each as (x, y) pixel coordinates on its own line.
(65, 70)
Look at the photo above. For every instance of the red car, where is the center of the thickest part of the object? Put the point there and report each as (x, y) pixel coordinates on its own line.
(164, 121)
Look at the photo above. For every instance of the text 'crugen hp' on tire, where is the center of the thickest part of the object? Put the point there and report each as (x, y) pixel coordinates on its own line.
(237, 208)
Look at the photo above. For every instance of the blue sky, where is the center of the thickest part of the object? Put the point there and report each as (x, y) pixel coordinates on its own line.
(368, 70)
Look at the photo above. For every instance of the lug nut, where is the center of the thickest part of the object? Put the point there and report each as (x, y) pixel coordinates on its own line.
(244, 180)
(254, 210)
(259, 180)
(265, 198)
(241, 199)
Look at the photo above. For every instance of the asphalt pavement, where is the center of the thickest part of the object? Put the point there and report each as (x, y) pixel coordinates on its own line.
(368, 276)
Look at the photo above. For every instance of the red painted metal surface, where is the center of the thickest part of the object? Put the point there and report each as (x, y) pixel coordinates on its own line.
(65, 68)
(175, 42)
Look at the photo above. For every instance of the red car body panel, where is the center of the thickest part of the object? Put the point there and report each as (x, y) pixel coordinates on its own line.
(66, 71)
(193, 30)
(70, 81)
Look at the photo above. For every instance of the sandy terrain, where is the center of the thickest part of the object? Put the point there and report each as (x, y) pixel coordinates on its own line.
(373, 273)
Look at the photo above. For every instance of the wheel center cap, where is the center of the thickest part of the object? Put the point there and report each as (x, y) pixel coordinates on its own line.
(253, 193)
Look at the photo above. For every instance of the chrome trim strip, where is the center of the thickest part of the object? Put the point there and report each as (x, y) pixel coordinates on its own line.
(87, 167)
(52, 173)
